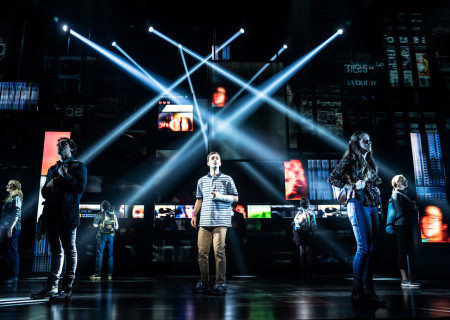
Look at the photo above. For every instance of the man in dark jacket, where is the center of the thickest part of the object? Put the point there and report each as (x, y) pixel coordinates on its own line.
(65, 183)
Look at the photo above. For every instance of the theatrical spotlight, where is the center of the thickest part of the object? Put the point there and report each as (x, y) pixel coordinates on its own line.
(242, 30)
(179, 46)
(65, 28)
(113, 44)
(285, 46)
(150, 29)
(340, 31)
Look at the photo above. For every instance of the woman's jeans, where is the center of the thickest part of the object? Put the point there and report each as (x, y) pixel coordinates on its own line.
(365, 222)
(10, 247)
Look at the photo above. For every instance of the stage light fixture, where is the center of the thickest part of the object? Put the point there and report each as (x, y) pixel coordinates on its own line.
(340, 31)
(285, 46)
(113, 44)
(65, 28)
(150, 29)
(242, 30)
(179, 46)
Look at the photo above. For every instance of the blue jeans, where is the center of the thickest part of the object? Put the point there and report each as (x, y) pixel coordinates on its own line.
(11, 250)
(62, 240)
(104, 239)
(365, 222)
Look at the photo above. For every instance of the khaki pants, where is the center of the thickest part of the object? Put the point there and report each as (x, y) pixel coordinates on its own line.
(215, 236)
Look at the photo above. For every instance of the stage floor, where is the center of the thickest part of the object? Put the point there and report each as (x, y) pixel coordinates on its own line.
(171, 297)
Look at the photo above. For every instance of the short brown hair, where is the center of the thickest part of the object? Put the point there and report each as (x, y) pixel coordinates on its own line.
(211, 153)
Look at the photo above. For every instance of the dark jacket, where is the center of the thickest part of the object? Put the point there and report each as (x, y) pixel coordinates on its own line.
(62, 202)
(12, 211)
(405, 213)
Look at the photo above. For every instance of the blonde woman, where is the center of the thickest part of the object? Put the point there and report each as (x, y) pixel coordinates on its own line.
(404, 224)
(10, 229)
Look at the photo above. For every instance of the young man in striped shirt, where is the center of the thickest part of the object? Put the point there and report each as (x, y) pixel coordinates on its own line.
(215, 193)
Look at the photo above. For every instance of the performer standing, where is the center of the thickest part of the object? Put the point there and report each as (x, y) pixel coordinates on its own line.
(106, 222)
(405, 225)
(304, 225)
(215, 193)
(65, 183)
(10, 226)
(358, 174)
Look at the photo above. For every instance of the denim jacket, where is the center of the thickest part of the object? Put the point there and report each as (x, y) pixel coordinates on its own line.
(12, 211)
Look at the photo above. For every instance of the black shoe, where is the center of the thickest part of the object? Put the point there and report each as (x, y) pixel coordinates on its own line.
(65, 295)
(48, 291)
(200, 287)
(371, 297)
(358, 297)
(12, 280)
(219, 288)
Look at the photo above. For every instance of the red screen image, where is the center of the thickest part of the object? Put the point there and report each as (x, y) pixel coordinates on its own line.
(295, 181)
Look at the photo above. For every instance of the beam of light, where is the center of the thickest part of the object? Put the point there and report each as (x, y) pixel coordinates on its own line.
(202, 125)
(96, 149)
(152, 79)
(127, 67)
(191, 148)
(65, 28)
(263, 182)
(257, 74)
(274, 84)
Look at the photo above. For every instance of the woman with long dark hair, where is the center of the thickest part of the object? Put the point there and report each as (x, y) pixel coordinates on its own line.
(356, 175)
(10, 225)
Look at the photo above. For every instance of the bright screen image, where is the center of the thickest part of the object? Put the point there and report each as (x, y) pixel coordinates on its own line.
(284, 211)
(295, 180)
(17, 96)
(165, 210)
(131, 211)
(184, 211)
(175, 118)
(259, 211)
(328, 210)
(219, 97)
(89, 210)
(432, 226)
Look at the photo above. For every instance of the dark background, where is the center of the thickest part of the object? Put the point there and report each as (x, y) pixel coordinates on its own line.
(89, 96)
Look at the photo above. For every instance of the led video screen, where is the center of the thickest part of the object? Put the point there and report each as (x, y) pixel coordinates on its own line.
(259, 211)
(175, 118)
(284, 211)
(135, 211)
(318, 172)
(430, 181)
(165, 210)
(296, 186)
(89, 210)
(184, 211)
(19, 96)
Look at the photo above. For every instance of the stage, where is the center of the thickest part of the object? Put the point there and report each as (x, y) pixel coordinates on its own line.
(171, 297)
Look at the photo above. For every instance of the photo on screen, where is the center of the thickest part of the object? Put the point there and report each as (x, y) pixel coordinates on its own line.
(175, 118)
(165, 210)
(259, 211)
(284, 211)
(430, 181)
(184, 211)
(328, 210)
(131, 211)
(296, 186)
(89, 210)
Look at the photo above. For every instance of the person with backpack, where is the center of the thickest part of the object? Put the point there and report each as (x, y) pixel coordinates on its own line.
(106, 222)
(402, 220)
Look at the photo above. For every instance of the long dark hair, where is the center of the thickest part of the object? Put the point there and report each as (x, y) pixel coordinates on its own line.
(365, 165)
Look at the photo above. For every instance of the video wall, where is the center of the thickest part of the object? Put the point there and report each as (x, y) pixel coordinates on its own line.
(431, 184)
(19, 96)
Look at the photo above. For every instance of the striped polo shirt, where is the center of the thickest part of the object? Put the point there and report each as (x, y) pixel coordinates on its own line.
(215, 213)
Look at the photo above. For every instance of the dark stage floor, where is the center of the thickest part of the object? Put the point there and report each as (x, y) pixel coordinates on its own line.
(171, 297)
